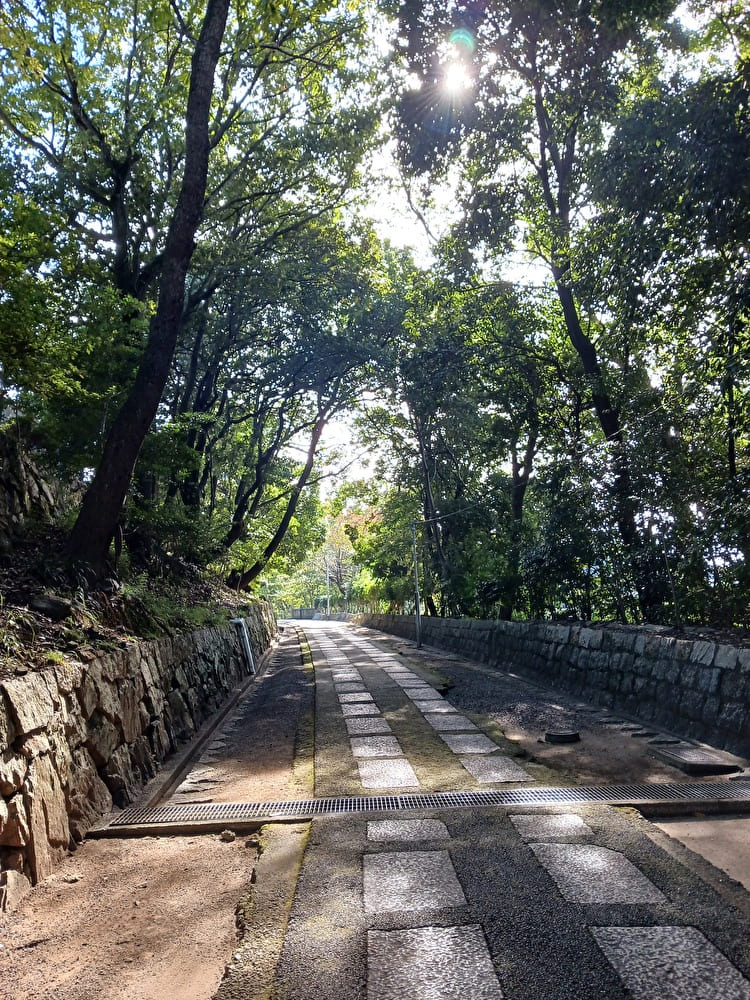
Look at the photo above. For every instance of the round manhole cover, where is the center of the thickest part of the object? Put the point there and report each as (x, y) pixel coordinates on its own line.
(562, 736)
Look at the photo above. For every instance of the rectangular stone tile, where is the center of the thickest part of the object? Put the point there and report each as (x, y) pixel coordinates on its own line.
(489, 770)
(350, 710)
(354, 698)
(407, 830)
(587, 873)
(376, 746)
(348, 687)
(410, 880)
(387, 774)
(434, 706)
(367, 726)
(418, 690)
(342, 676)
(469, 743)
(450, 723)
(670, 963)
(535, 826)
(431, 963)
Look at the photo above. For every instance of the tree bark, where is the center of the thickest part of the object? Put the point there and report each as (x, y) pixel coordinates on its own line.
(520, 476)
(102, 506)
(648, 580)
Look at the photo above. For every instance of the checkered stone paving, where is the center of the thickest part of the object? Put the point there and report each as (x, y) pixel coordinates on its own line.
(536, 827)
(490, 770)
(375, 746)
(431, 963)
(410, 880)
(367, 726)
(469, 743)
(587, 873)
(406, 830)
(387, 774)
(469, 897)
(670, 963)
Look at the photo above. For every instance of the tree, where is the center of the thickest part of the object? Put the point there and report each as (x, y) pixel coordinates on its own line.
(379, 529)
(464, 403)
(546, 84)
(102, 505)
(101, 98)
(673, 190)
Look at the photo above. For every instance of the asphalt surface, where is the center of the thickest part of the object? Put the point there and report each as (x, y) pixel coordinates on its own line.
(490, 902)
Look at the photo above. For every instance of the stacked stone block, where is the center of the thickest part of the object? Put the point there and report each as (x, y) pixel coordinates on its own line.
(77, 738)
(692, 686)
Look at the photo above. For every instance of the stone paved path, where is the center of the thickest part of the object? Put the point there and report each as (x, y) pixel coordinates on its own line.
(521, 903)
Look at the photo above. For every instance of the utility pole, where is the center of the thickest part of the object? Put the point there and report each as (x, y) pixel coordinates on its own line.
(417, 618)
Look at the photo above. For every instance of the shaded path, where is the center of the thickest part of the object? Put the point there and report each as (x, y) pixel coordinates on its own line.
(153, 918)
(485, 903)
(524, 902)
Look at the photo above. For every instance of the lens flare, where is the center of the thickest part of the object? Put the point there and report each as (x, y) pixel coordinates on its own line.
(462, 38)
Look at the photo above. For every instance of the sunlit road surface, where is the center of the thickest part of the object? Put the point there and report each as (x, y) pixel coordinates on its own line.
(521, 902)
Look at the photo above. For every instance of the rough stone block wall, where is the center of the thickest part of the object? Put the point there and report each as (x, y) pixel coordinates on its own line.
(691, 686)
(77, 738)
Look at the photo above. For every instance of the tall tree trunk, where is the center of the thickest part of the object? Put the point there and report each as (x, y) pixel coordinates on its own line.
(520, 475)
(249, 494)
(433, 528)
(102, 506)
(648, 581)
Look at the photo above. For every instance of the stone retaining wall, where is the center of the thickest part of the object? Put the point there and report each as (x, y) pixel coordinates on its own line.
(76, 738)
(693, 687)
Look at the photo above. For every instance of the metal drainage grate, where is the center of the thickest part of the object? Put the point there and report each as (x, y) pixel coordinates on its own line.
(210, 814)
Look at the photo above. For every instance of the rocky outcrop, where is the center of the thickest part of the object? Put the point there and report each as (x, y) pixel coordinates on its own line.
(76, 739)
(692, 686)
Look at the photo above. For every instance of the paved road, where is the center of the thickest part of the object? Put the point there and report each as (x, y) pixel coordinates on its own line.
(525, 903)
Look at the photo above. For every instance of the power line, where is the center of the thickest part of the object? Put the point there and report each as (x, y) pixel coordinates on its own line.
(453, 513)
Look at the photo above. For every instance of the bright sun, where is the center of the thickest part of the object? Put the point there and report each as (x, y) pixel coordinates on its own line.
(456, 79)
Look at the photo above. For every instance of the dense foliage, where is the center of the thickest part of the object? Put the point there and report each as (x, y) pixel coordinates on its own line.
(557, 407)
(183, 306)
(611, 143)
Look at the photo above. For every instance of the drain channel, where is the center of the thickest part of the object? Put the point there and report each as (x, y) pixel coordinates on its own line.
(209, 815)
